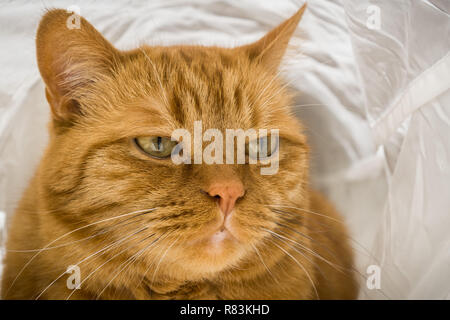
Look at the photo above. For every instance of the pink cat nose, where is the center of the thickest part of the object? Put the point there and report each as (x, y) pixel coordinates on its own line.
(227, 193)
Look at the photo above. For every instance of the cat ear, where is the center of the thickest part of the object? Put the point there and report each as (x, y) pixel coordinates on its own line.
(70, 56)
(270, 49)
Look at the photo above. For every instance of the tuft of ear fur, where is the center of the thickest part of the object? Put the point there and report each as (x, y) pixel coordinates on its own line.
(70, 58)
(270, 49)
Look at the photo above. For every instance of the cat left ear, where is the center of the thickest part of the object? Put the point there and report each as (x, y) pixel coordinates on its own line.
(270, 49)
(69, 58)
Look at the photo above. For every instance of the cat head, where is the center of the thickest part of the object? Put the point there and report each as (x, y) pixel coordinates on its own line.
(113, 113)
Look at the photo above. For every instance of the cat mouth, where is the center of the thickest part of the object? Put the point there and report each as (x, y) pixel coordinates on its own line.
(220, 242)
(225, 231)
(219, 236)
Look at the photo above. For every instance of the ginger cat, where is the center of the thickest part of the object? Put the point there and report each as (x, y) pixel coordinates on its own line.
(107, 199)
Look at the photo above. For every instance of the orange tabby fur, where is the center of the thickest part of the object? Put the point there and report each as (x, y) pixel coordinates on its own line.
(101, 98)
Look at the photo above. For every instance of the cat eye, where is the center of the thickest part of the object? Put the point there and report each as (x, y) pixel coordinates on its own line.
(262, 148)
(156, 147)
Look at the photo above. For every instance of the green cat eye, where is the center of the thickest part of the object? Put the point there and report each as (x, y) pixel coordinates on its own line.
(156, 147)
(262, 148)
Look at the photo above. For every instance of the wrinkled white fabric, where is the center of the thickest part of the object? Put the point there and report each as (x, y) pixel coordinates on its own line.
(375, 101)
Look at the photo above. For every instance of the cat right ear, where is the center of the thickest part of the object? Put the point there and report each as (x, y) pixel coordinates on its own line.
(270, 49)
(70, 56)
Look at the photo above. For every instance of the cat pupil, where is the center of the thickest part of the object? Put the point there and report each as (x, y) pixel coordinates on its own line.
(157, 144)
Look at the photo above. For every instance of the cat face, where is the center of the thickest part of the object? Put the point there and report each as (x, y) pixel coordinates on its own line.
(113, 115)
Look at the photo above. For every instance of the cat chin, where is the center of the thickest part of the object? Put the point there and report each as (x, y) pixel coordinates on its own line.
(220, 236)
(212, 253)
(216, 244)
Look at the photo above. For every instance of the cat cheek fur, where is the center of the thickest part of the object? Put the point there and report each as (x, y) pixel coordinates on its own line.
(152, 216)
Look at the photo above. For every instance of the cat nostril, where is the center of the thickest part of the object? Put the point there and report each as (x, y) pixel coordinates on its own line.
(226, 193)
(216, 196)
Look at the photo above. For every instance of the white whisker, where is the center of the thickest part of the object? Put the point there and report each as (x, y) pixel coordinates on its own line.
(90, 256)
(158, 77)
(162, 257)
(301, 266)
(305, 210)
(127, 263)
(262, 261)
(306, 249)
(114, 256)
